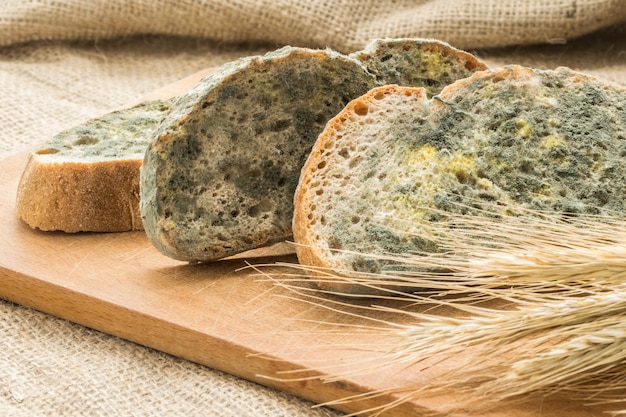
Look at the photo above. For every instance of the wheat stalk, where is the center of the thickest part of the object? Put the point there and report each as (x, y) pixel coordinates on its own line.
(571, 343)
(550, 266)
(566, 276)
(532, 250)
(599, 352)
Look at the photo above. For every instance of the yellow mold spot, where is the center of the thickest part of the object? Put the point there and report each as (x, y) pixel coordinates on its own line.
(420, 158)
(463, 167)
(434, 65)
(552, 141)
(426, 152)
(464, 162)
(523, 128)
(484, 184)
(427, 159)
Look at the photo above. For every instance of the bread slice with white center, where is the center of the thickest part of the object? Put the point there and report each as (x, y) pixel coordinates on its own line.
(513, 137)
(86, 179)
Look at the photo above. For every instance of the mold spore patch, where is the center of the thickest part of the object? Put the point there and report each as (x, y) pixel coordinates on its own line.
(412, 62)
(512, 137)
(220, 175)
(123, 134)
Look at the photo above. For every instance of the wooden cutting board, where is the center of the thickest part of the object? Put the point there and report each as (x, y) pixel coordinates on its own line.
(222, 315)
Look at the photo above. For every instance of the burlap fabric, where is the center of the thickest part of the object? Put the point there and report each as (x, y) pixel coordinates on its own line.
(343, 25)
(64, 61)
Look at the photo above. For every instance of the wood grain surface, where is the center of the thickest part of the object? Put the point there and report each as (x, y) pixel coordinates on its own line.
(223, 314)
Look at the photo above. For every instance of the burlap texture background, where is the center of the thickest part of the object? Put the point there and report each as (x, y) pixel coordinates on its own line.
(64, 61)
(343, 25)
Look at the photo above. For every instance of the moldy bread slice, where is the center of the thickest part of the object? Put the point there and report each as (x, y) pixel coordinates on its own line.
(509, 137)
(87, 178)
(220, 174)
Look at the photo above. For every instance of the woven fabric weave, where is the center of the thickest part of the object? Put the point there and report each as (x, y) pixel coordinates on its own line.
(343, 25)
(50, 367)
(65, 61)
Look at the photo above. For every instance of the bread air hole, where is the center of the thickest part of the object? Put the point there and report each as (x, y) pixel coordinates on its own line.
(254, 211)
(361, 109)
(261, 207)
(49, 151)
(280, 125)
(86, 141)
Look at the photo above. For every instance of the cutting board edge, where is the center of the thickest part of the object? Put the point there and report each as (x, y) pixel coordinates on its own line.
(265, 370)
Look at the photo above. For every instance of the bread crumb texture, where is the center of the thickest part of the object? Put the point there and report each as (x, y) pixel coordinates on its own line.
(393, 161)
(86, 179)
(219, 176)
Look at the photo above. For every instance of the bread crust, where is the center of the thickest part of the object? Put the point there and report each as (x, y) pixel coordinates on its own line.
(80, 197)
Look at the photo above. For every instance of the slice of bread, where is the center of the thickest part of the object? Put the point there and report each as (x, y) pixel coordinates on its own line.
(415, 62)
(68, 187)
(510, 137)
(219, 176)
(87, 178)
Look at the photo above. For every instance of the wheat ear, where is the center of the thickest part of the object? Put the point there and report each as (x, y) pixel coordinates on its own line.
(567, 277)
(564, 274)
(570, 344)
(531, 249)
